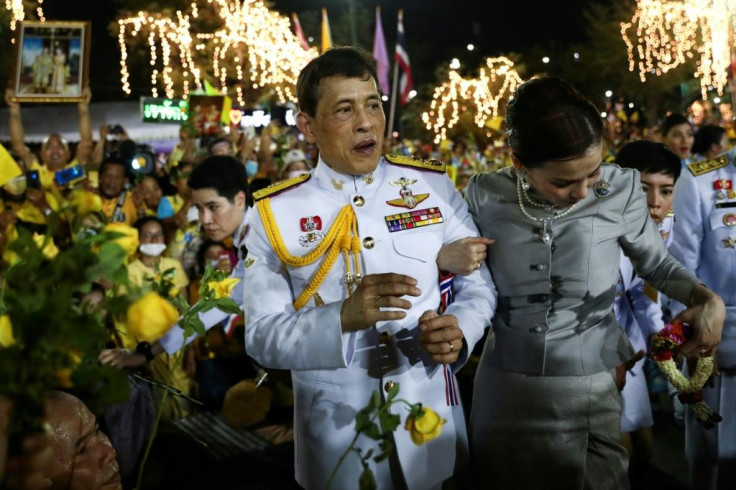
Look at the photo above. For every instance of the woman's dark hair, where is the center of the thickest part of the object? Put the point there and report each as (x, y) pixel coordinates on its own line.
(348, 62)
(548, 120)
(671, 121)
(649, 157)
(225, 174)
(138, 225)
(707, 135)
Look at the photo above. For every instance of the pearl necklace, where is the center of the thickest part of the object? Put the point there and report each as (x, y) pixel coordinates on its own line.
(545, 235)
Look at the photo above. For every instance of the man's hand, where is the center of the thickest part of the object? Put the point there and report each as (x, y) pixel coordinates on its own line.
(12, 105)
(86, 98)
(622, 369)
(440, 336)
(706, 315)
(122, 358)
(376, 291)
(464, 256)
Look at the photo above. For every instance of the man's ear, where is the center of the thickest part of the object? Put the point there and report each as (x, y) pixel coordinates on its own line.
(240, 199)
(516, 162)
(304, 123)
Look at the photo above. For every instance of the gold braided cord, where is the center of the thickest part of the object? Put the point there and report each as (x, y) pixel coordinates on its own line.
(337, 239)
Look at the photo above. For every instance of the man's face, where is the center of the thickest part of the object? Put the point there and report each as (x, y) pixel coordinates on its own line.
(112, 181)
(54, 153)
(348, 125)
(219, 217)
(660, 191)
(83, 458)
(222, 148)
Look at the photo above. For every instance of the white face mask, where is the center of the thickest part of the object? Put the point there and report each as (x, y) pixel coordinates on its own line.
(295, 173)
(152, 249)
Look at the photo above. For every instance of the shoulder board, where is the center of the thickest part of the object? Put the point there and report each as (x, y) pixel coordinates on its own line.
(280, 187)
(700, 168)
(404, 161)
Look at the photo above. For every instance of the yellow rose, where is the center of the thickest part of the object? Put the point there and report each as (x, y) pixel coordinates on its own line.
(151, 317)
(424, 428)
(85, 202)
(224, 288)
(129, 240)
(6, 332)
(48, 250)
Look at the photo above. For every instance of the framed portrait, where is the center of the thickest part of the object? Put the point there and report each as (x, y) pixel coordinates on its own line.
(51, 61)
(205, 113)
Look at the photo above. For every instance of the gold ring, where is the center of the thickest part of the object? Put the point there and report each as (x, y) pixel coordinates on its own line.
(452, 347)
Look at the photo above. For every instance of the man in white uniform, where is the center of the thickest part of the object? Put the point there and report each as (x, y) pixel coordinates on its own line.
(343, 263)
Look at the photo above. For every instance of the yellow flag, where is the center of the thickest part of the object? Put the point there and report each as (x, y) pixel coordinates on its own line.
(326, 35)
(9, 169)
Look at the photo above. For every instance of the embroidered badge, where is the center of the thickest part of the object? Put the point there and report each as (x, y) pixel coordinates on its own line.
(408, 199)
(368, 179)
(337, 184)
(414, 219)
(312, 226)
(729, 220)
(250, 261)
(602, 188)
(730, 242)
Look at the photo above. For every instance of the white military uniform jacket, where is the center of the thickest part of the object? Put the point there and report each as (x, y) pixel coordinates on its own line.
(705, 242)
(172, 340)
(401, 228)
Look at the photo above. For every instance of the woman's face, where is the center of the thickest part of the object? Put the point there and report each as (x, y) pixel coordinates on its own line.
(660, 191)
(151, 232)
(680, 140)
(563, 183)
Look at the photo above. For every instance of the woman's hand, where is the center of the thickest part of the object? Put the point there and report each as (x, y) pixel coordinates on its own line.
(706, 315)
(464, 256)
(122, 358)
(622, 369)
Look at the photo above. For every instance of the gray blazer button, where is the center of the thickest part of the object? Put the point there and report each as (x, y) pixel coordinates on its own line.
(540, 267)
(538, 329)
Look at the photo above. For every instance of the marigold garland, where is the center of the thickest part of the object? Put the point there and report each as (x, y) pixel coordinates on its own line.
(663, 347)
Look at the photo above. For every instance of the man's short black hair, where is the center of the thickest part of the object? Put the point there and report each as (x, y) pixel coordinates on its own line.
(649, 157)
(344, 61)
(217, 141)
(225, 174)
(113, 160)
(706, 136)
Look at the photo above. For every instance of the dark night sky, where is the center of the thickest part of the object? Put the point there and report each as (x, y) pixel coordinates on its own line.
(436, 30)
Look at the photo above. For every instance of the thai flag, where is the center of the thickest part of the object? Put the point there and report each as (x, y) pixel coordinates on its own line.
(402, 58)
(446, 298)
(445, 290)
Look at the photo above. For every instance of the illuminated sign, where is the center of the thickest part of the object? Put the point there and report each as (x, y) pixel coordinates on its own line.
(159, 110)
(259, 118)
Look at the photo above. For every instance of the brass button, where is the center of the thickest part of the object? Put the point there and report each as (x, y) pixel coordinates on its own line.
(384, 338)
(369, 242)
(358, 201)
(389, 386)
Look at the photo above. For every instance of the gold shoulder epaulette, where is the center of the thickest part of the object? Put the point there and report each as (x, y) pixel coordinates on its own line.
(279, 187)
(433, 165)
(700, 168)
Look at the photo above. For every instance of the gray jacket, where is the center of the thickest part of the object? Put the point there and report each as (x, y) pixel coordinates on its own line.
(555, 301)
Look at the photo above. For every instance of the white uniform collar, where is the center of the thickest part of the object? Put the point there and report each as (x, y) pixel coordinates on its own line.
(239, 235)
(346, 184)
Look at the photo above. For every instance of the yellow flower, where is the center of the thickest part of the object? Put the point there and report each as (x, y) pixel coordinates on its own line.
(150, 317)
(425, 428)
(129, 240)
(6, 332)
(49, 250)
(85, 202)
(224, 288)
(64, 375)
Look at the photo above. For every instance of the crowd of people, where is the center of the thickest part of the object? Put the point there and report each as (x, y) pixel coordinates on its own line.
(560, 269)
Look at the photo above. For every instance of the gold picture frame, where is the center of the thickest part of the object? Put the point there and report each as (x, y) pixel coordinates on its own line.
(51, 61)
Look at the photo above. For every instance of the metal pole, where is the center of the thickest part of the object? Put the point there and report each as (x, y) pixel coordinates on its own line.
(353, 31)
(392, 111)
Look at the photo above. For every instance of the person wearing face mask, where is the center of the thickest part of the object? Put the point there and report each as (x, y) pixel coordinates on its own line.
(151, 265)
(295, 164)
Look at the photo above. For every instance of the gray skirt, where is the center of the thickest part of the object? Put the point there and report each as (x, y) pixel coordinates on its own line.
(546, 432)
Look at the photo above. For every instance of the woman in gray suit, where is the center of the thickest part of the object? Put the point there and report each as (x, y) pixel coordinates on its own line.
(546, 408)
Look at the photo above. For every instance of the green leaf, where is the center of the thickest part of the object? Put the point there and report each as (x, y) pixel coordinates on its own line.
(362, 419)
(386, 446)
(389, 421)
(372, 431)
(196, 324)
(228, 306)
(393, 392)
(375, 400)
(367, 480)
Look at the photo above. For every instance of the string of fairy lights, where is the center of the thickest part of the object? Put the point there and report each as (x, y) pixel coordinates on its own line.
(496, 81)
(663, 35)
(253, 48)
(18, 12)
